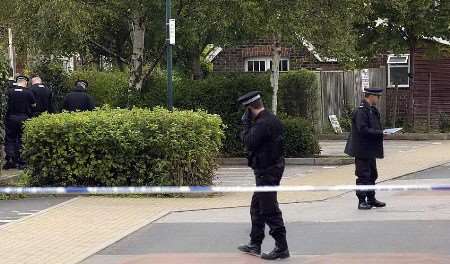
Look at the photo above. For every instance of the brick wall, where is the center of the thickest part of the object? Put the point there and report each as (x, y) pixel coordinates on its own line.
(233, 59)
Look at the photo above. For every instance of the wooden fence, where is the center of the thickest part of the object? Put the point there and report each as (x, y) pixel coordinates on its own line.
(338, 89)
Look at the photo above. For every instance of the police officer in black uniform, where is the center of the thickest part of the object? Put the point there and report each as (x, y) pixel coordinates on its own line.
(262, 136)
(20, 106)
(43, 96)
(78, 99)
(366, 145)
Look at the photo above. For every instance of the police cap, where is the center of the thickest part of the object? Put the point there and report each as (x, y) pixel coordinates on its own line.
(249, 98)
(22, 78)
(82, 83)
(373, 91)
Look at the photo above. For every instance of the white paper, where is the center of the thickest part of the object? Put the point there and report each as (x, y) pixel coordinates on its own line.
(390, 131)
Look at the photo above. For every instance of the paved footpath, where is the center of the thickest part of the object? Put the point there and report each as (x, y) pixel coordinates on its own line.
(74, 230)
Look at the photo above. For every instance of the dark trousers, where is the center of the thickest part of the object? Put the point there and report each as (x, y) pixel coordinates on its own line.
(264, 209)
(367, 174)
(13, 137)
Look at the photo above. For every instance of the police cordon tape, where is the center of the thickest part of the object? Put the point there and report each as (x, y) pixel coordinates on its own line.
(216, 189)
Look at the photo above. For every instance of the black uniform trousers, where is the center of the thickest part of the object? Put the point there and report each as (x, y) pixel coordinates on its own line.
(13, 137)
(264, 208)
(367, 174)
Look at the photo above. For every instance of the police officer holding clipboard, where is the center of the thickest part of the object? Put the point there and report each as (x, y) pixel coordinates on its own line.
(366, 145)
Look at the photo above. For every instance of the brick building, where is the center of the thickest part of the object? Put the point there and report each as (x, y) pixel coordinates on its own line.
(257, 57)
(431, 94)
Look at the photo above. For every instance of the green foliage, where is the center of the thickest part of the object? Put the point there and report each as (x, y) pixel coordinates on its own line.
(55, 77)
(218, 94)
(107, 87)
(346, 118)
(300, 139)
(112, 147)
(298, 94)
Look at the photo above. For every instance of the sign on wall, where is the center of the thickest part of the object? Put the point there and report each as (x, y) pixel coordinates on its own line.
(335, 124)
(365, 82)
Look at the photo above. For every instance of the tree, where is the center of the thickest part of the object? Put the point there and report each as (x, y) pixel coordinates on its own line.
(398, 25)
(324, 23)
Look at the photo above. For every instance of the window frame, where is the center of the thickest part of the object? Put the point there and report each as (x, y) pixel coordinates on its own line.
(267, 63)
(391, 65)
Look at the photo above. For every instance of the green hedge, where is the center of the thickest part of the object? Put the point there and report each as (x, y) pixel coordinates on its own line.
(217, 94)
(112, 147)
(299, 94)
(300, 139)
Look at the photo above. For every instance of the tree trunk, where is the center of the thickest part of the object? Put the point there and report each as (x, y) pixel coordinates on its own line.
(137, 58)
(275, 72)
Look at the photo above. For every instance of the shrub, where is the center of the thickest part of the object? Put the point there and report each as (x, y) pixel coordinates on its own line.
(107, 87)
(53, 74)
(298, 94)
(346, 118)
(112, 147)
(300, 139)
(218, 94)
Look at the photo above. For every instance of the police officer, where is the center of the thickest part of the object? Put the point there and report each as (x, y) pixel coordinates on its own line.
(43, 96)
(262, 136)
(20, 106)
(366, 145)
(78, 99)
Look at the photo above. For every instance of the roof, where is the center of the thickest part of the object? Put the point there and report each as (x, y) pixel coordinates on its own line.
(311, 49)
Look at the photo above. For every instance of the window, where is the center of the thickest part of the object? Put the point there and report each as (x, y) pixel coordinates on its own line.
(256, 65)
(264, 64)
(398, 70)
(284, 65)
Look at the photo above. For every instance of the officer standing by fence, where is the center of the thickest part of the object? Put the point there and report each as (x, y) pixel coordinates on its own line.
(19, 108)
(366, 145)
(262, 136)
(78, 99)
(43, 96)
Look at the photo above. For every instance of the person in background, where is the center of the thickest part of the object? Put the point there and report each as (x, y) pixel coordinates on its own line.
(366, 145)
(20, 104)
(78, 99)
(42, 95)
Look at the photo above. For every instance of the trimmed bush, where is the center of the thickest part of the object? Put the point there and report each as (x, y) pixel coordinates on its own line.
(298, 94)
(112, 147)
(300, 139)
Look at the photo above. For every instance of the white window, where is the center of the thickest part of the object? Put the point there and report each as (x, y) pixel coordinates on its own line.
(398, 70)
(263, 64)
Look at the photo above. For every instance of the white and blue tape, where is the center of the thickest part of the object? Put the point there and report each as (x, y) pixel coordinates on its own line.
(216, 189)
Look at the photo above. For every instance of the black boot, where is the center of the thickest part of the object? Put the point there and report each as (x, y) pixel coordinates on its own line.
(276, 253)
(363, 205)
(251, 248)
(375, 203)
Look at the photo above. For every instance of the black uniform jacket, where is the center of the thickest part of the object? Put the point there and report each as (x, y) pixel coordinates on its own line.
(43, 96)
(78, 100)
(366, 138)
(20, 102)
(264, 141)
